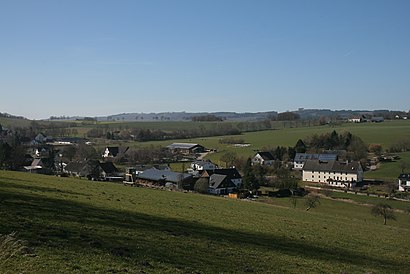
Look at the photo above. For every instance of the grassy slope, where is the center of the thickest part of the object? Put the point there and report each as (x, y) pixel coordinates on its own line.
(81, 226)
(391, 170)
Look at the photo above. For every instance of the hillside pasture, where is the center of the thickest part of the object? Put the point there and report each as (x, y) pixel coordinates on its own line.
(78, 226)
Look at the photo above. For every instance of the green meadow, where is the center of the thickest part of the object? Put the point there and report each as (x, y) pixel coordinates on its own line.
(78, 226)
(385, 133)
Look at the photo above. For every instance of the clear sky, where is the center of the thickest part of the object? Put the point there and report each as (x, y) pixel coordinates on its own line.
(95, 57)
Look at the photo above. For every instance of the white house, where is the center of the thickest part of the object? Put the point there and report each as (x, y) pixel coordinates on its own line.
(263, 158)
(200, 165)
(355, 119)
(114, 151)
(404, 182)
(333, 173)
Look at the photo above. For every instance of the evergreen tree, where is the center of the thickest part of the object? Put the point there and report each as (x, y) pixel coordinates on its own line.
(249, 179)
(300, 147)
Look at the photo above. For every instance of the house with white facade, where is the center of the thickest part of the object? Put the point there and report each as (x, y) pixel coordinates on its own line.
(263, 158)
(111, 152)
(355, 119)
(201, 165)
(404, 182)
(333, 173)
(301, 158)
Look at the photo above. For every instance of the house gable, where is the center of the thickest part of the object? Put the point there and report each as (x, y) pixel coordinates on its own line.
(263, 158)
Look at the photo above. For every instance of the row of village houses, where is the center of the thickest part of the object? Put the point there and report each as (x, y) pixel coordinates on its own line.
(315, 169)
(322, 168)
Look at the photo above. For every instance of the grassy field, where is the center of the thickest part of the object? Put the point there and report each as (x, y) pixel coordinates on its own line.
(78, 226)
(387, 169)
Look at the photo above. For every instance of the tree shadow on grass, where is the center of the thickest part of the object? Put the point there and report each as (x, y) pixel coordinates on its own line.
(36, 188)
(141, 239)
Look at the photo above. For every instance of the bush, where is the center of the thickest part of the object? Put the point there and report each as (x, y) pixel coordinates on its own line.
(201, 186)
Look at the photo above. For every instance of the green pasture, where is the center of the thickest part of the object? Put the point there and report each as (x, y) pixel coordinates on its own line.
(79, 226)
(389, 171)
(385, 133)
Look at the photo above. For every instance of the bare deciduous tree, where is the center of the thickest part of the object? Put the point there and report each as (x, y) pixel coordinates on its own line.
(312, 201)
(384, 210)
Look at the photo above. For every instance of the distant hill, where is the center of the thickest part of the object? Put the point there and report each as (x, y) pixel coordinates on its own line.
(228, 116)
(245, 116)
(6, 115)
(187, 116)
(179, 116)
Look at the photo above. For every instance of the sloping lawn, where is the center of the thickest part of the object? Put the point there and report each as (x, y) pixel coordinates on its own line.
(78, 226)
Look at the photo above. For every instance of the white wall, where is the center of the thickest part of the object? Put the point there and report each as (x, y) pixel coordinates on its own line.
(322, 177)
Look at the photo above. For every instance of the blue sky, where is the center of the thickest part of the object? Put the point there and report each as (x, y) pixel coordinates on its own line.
(106, 57)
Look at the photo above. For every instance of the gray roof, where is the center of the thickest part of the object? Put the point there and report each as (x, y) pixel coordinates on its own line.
(215, 180)
(232, 173)
(182, 146)
(154, 174)
(266, 155)
(405, 176)
(330, 166)
(303, 157)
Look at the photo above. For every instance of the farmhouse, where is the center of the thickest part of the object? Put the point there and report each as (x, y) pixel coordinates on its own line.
(301, 158)
(220, 184)
(333, 173)
(162, 177)
(201, 165)
(404, 182)
(263, 158)
(94, 170)
(41, 138)
(111, 152)
(186, 148)
(109, 172)
(132, 172)
(222, 181)
(355, 119)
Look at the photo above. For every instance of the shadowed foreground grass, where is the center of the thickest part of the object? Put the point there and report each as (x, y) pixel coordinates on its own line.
(80, 226)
